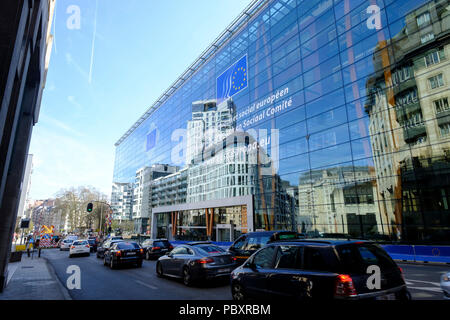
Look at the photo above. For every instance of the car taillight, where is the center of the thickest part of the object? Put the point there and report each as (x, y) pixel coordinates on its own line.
(171, 247)
(156, 248)
(233, 258)
(118, 253)
(344, 286)
(141, 250)
(205, 260)
(401, 272)
(72, 247)
(87, 246)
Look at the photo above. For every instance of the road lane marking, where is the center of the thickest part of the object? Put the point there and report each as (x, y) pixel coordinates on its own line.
(427, 282)
(146, 285)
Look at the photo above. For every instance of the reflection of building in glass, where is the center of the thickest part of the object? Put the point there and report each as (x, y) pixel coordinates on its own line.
(334, 203)
(409, 121)
(142, 197)
(351, 123)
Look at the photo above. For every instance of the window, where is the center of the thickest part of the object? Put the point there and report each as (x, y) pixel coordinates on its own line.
(255, 243)
(441, 105)
(263, 259)
(315, 260)
(288, 257)
(432, 58)
(436, 81)
(427, 37)
(445, 129)
(180, 250)
(423, 20)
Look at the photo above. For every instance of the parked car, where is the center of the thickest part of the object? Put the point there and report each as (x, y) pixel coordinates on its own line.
(93, 243)
(79, 247)
(249, 243)
(196, 261)
(445, 285)
(105, 246)
(65, 244)
(318, 269)
(123, 252)
(155, 248)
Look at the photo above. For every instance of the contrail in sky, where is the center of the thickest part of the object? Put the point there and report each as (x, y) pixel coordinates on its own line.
(93, 42)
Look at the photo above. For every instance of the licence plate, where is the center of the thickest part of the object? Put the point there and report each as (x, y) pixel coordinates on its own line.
(131, 253)
(224, 270)
(390, 296)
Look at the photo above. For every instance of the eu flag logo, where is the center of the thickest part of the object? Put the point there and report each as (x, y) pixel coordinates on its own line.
(233, 80)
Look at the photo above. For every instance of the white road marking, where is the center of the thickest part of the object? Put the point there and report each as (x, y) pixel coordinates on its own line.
(427, 282)
(146, 285)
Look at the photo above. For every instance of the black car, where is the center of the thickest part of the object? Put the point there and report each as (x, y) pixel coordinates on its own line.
(105, 246)
(155, 248)
(196, 261)
(93, 244)
(249, 243)
(319, 269)
(123, 252)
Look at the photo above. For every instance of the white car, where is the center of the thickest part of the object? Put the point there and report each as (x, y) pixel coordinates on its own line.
(65, 244)
(445, 285)
(80, 247)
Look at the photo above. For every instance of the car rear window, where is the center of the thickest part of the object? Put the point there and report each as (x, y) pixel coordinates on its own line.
(127, 245)
(68, 241)
(207, 248)
(356, 258)
(80, 243)
(164, 244)
(320, 259)
(257, 242)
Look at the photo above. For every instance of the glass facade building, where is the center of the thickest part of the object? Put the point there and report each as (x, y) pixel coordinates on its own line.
(331, 116)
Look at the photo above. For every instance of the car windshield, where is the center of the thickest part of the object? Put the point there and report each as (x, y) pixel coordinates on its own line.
(209, 248)
(357, 258)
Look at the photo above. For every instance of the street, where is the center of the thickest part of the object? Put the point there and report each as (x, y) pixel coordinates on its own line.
(130, 283)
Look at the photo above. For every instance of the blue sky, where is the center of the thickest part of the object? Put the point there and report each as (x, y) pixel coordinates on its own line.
(104, 75)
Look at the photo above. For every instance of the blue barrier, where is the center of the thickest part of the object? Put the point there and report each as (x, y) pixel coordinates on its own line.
(415, 253)
(410, 253)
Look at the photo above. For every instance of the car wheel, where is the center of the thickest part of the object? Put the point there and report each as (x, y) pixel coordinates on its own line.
(111, 264)
(187, 279)
(159, 269)
(104, 261)
(237, 292)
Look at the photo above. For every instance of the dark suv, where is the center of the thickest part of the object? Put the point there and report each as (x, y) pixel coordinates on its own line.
(319, 269)
(249, 243)
(155, 248)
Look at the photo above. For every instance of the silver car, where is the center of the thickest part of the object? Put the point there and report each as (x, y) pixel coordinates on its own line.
(445, 285)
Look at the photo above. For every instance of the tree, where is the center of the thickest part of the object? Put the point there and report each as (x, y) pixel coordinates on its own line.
(73, 202)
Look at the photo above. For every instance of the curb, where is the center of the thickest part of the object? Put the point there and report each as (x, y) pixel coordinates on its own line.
(423, 263)
(63, 289)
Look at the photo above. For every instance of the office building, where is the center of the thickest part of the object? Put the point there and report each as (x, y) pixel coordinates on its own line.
(321, 116)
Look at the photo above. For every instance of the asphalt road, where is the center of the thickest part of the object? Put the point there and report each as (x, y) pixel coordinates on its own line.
(99, 282)
(130, 283)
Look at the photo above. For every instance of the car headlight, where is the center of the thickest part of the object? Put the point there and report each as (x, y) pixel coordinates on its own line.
(446, 277)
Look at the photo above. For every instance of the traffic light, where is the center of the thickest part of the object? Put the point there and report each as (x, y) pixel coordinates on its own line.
(89, 207)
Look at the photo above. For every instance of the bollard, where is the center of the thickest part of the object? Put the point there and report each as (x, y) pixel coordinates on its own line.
(39, 254)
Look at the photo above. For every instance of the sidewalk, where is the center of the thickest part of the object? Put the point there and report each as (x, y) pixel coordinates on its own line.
(33, 279)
